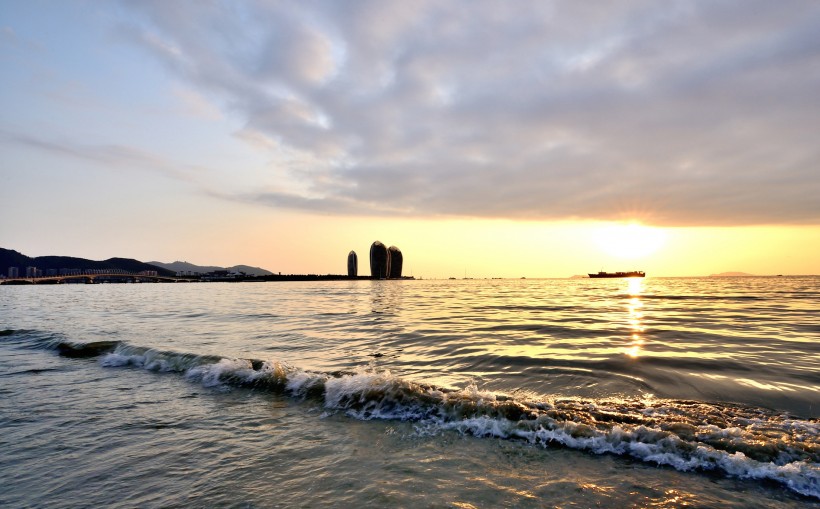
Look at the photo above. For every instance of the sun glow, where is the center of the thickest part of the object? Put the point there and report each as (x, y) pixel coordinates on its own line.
(635, 307)
(630, 241)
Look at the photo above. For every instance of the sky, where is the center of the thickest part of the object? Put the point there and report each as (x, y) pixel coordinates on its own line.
(483, 138)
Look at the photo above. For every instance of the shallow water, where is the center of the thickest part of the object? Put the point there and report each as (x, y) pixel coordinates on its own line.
(485, 393)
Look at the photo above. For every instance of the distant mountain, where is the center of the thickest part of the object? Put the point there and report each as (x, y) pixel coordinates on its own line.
(247, 269)
(190, 267)
(186, 267)
(731, 274)
(10, 258)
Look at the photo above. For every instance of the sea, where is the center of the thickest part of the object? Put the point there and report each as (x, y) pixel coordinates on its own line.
(473, 393)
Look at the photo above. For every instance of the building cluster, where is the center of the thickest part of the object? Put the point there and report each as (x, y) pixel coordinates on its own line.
(30, 272)
(222, 275)
(34, 272)
(385, 262)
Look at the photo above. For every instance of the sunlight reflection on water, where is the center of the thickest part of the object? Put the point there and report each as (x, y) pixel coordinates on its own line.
(688, 338)
(635, 309)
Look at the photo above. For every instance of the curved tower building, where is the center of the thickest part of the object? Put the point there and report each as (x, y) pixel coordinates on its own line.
(352, 264)
(396, 261)
(379, 261)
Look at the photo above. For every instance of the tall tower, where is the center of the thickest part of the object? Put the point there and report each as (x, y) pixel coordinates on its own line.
(379, 261)
(352, 264)
(396, 261)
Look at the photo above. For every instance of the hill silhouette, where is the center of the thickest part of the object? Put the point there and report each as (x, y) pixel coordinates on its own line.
(202, 269)
(11, 258)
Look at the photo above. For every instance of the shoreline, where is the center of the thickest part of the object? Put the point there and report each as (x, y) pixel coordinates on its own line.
(126, 279)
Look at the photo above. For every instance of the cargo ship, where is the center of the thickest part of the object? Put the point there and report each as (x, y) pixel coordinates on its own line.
(634, 273)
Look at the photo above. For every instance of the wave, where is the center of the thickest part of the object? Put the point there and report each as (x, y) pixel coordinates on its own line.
(740, 441)
(673, 297)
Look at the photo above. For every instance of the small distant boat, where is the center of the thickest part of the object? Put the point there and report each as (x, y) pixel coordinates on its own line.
(634, 273)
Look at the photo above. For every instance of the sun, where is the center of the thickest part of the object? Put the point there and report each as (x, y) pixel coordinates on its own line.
(631, 241)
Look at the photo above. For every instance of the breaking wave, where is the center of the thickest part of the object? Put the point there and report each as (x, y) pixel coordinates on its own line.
(740, 441)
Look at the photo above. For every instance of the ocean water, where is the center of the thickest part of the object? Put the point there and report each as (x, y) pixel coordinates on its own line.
(460, 393)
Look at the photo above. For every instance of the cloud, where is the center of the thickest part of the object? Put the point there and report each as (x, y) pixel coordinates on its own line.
(109, 156)
(196, 105)
(10, 40)
(681, 112)
(8, 36)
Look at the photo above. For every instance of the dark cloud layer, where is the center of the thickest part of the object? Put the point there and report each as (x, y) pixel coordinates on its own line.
(678, 112)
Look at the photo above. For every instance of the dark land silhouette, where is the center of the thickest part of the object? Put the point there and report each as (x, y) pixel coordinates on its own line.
(11, 258)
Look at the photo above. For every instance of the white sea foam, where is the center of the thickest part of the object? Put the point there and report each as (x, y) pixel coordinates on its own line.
(116, 360)
(670, 434)
(213, 375)
(801, 476)
(370, 395)
(301, 383)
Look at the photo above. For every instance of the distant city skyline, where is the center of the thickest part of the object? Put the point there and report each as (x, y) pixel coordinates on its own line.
(546, 138)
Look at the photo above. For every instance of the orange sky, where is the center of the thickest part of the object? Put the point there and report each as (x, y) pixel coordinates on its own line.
(439, 248)
(484, 248)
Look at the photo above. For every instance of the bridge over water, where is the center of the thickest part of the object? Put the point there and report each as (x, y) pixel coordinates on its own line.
(91, 278)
